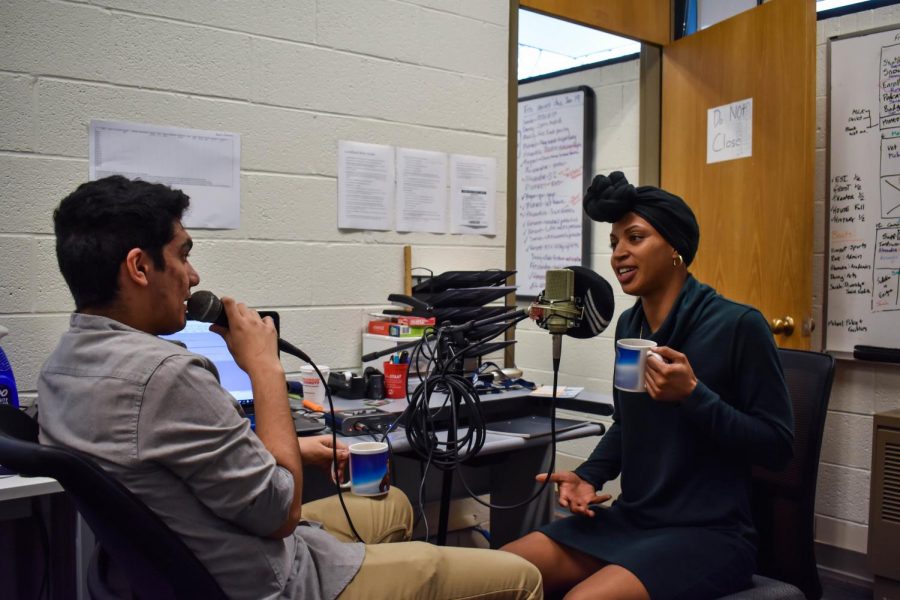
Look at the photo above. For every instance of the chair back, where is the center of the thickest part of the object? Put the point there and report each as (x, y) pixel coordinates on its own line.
(155, 560)
(784, 501)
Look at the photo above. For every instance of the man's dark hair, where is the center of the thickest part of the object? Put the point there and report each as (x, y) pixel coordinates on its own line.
(101, 221)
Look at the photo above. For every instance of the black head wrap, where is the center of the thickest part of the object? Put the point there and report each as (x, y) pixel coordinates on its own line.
(608, 199)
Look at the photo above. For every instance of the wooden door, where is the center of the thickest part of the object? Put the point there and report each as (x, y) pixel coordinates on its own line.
(755, 213)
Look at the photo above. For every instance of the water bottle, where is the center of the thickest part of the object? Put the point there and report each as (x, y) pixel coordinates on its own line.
(8, 393)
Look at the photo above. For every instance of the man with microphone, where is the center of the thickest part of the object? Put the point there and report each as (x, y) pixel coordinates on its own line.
(154, 416)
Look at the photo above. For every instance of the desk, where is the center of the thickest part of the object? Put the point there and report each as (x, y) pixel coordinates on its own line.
(505, 467)
(13, 487)
(25, 503)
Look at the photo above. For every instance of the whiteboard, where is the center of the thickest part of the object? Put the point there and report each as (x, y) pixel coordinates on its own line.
(555, 139)
(863, 270)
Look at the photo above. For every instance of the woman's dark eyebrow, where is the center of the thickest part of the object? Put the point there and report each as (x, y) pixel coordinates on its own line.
(629, 229)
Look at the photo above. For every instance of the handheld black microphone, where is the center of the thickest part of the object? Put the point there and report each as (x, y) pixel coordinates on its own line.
(206, 307)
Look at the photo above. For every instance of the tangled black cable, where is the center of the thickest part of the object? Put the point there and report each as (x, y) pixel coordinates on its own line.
(422, 428)
(464, 407)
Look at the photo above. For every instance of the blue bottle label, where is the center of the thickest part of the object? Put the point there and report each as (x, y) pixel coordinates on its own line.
(8, 393)
(7, 396)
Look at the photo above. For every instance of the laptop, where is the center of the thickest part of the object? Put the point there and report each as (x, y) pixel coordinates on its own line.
(197, 338)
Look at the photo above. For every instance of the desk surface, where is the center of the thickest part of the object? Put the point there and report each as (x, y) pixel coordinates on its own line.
(16, 486)
(585, 401)
(496, 442)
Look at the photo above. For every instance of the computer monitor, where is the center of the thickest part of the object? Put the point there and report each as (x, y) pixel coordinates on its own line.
(197, 338)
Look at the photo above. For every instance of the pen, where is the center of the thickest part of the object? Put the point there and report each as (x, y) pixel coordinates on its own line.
(313, 406)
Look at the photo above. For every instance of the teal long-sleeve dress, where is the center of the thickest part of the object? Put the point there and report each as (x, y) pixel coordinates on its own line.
(683, 524)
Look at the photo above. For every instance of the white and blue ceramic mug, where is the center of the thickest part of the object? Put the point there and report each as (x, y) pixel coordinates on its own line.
(631, 362)
(369, 474)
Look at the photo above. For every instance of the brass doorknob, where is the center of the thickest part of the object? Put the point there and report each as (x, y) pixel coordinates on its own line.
(783, 326)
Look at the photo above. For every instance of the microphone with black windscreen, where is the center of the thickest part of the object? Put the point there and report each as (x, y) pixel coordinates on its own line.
(575, 301)
(206, 307)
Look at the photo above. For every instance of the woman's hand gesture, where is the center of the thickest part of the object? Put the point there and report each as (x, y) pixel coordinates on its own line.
(575, 493)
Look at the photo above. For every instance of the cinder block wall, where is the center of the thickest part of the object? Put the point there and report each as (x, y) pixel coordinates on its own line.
(292, 77)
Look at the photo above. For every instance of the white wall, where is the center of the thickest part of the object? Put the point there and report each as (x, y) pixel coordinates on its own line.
(860, 389)
(292, 77)
(588, 363)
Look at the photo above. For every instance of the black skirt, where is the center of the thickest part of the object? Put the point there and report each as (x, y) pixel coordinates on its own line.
(690, 563)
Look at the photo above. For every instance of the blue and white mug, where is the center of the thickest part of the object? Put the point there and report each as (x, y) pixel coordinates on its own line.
(369, 473)
(631, 363)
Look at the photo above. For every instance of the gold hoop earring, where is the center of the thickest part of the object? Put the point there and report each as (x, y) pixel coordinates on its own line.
(677, 261)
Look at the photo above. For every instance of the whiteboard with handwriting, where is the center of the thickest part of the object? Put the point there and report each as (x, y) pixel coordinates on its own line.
(555, 142)
(863, 269)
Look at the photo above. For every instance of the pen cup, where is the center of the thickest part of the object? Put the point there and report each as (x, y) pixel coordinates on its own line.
(395, 379)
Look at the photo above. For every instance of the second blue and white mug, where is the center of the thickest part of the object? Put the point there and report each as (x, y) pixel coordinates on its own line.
(631, 363)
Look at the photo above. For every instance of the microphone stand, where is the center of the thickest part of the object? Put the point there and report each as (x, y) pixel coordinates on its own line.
(452, 344)
(457, 337)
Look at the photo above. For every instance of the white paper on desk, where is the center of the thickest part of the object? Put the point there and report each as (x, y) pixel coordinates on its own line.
(205, 165)
(421, 191)
(561, 391)
(365, 186)
(473, 194)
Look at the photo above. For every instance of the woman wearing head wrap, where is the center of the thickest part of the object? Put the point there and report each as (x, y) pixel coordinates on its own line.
(716, 404)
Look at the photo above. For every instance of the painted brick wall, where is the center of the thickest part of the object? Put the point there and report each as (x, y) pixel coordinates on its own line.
(292, 77)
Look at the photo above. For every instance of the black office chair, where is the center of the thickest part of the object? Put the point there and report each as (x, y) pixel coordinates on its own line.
(784, 501)
(131, 537)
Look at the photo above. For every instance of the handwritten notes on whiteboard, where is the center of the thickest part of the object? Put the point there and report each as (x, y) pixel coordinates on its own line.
(863, 270)
(552, 154)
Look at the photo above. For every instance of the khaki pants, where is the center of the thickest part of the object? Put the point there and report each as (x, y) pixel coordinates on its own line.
(417, 570)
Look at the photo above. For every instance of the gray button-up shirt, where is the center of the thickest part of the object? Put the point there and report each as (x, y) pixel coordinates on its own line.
(155, 417)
